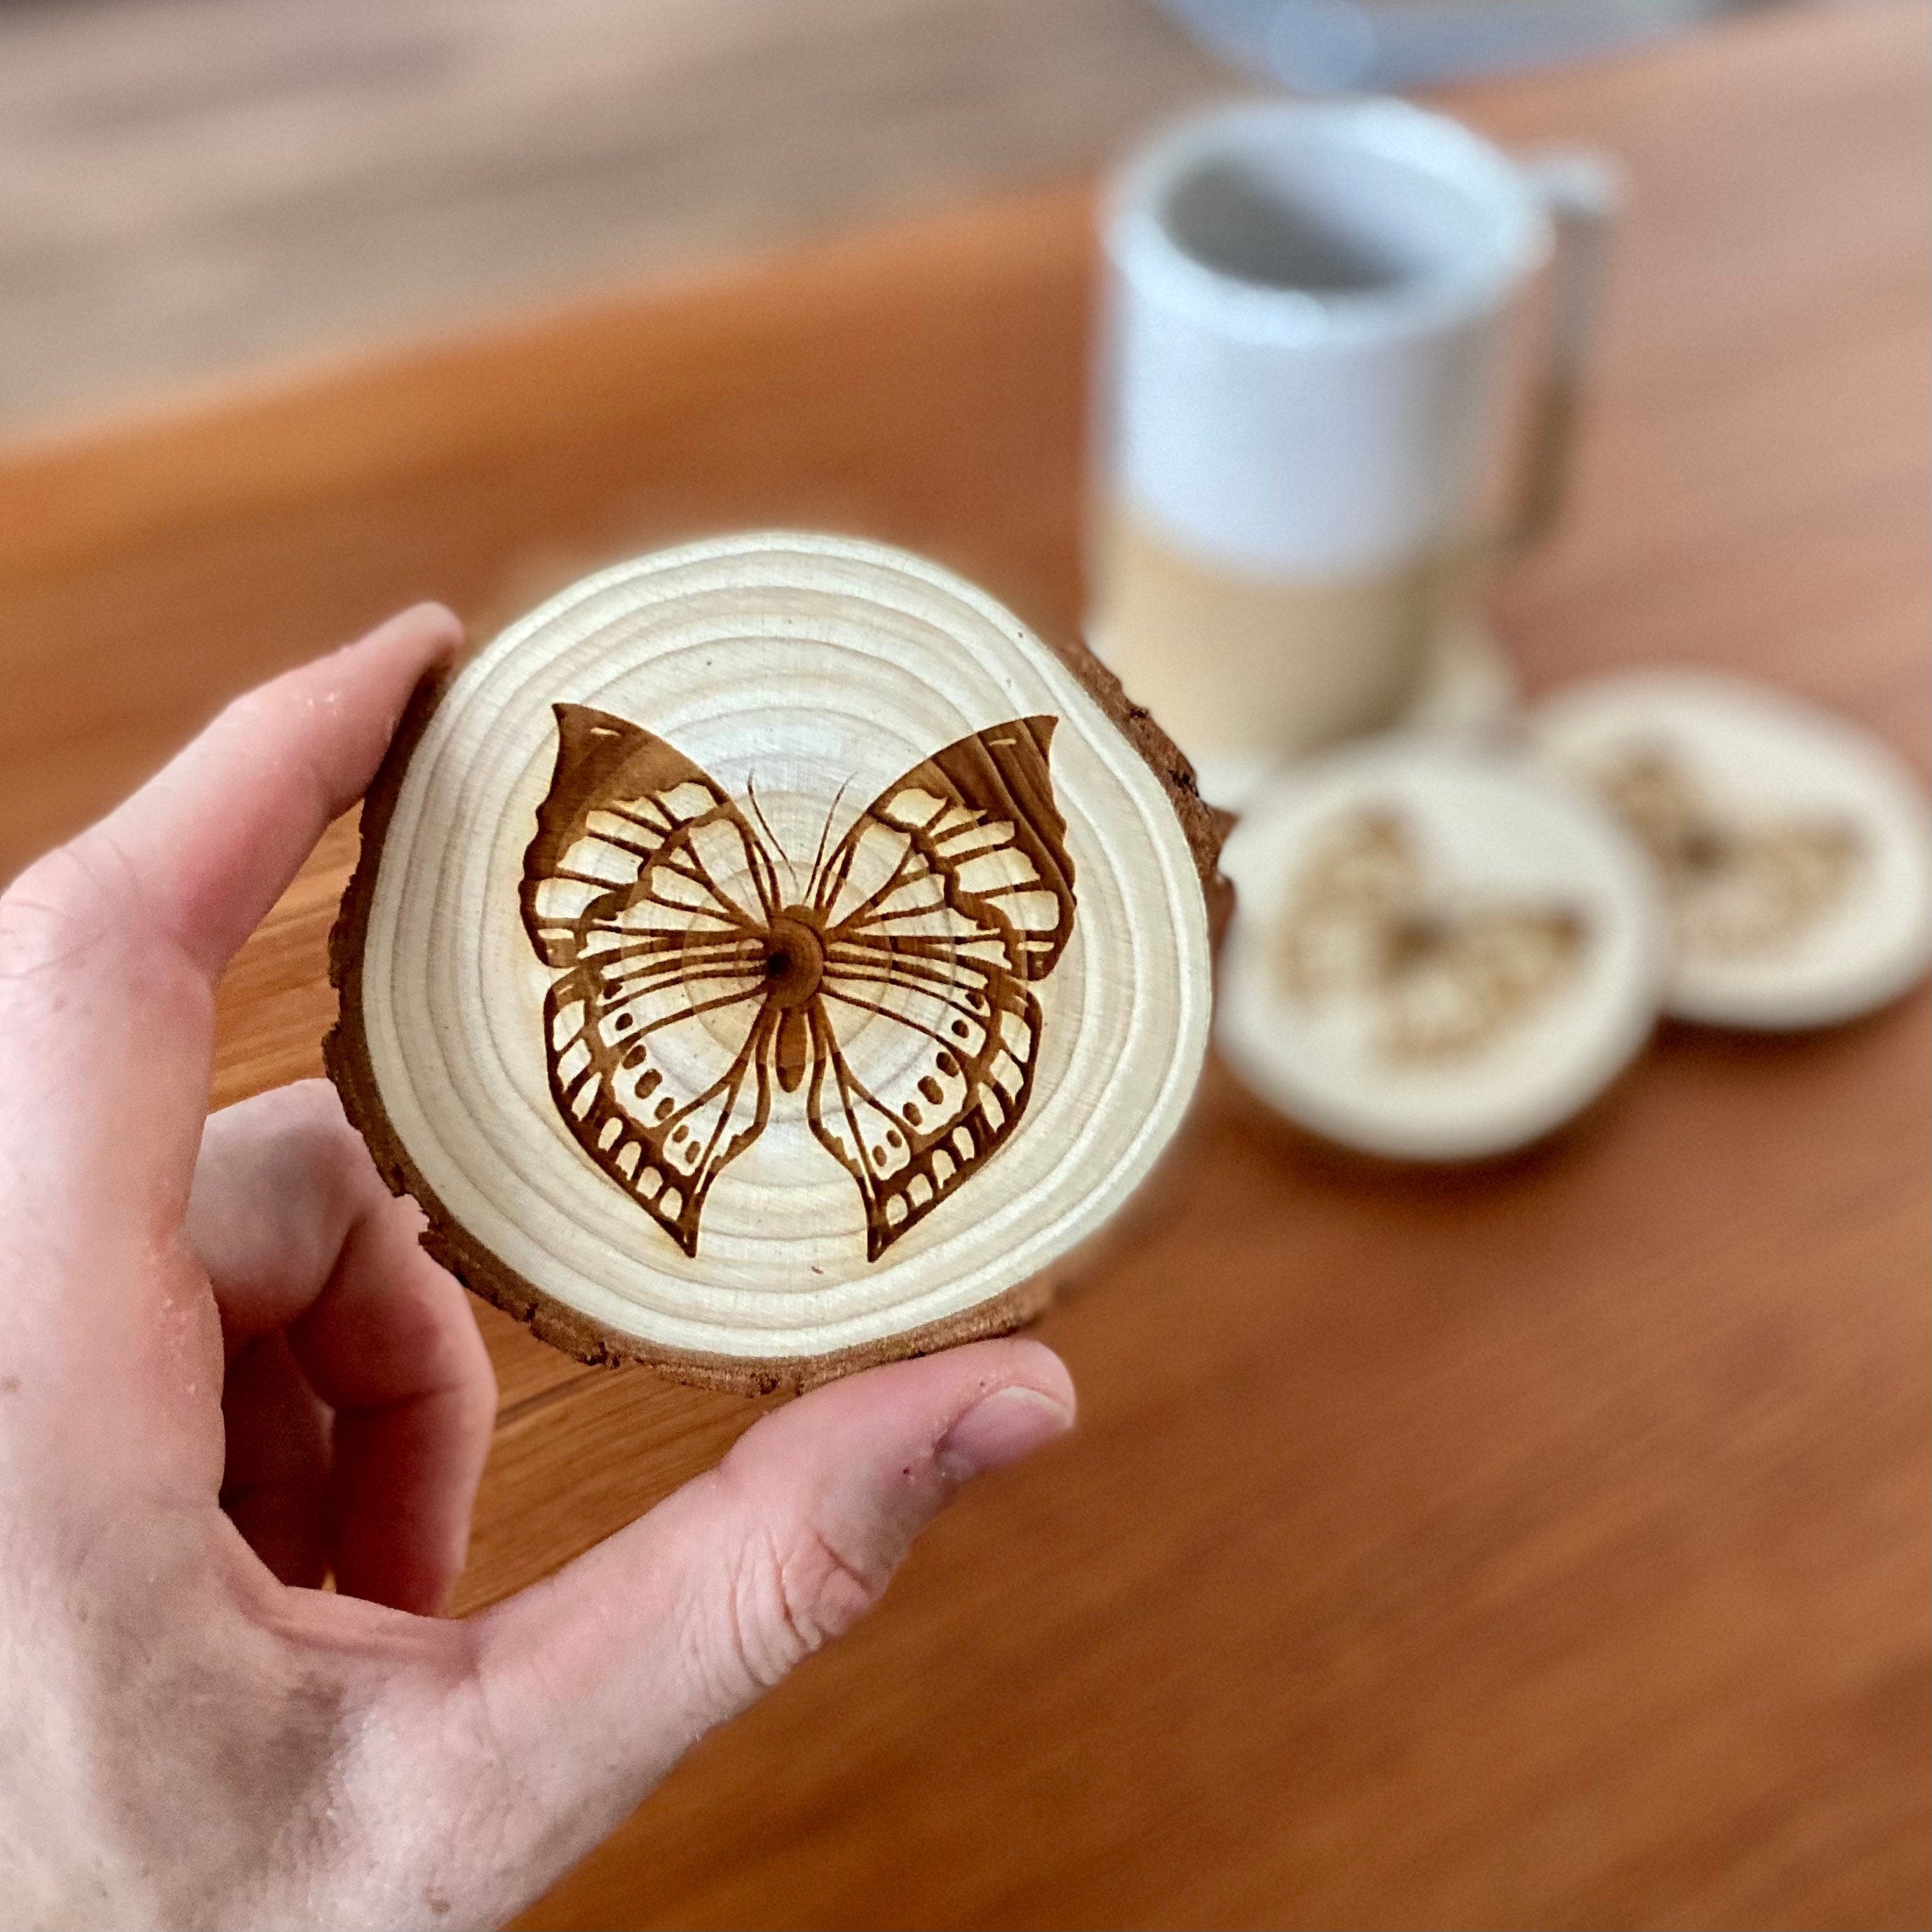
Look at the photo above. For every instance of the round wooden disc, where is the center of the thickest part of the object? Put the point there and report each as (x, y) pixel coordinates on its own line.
(1440, 954)
(1791, 847)
(769, 958)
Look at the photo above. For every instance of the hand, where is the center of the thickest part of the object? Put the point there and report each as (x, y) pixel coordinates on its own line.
(191, 1731)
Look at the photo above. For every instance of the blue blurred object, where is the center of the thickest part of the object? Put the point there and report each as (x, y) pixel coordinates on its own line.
(1324, 46)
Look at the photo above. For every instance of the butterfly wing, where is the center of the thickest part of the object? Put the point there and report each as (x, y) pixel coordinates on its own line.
(949, 897)
(1786, 876)
(1482, 971)
(1363, 878)
(648, 895)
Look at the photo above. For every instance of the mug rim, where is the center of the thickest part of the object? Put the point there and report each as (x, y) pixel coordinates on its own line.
(1141, 246)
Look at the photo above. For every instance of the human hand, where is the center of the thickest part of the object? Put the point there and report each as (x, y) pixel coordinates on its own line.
(227, 1369)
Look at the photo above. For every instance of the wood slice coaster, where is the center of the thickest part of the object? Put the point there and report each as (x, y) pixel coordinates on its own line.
(1791, 847)
(769, 958)
(1440, 954)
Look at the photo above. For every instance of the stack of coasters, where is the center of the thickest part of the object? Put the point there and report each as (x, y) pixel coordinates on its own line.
(1444, 953)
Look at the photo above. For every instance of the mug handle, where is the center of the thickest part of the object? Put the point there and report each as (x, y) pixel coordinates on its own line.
(1584, 193)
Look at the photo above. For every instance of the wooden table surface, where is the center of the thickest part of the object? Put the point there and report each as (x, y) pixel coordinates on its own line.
(1541, 1545)
(190, 186)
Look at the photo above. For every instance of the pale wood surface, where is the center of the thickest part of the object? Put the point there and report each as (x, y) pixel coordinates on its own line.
(1545, 1545)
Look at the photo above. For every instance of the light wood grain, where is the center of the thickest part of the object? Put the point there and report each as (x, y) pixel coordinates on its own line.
(846, 895)
(1541, 1545)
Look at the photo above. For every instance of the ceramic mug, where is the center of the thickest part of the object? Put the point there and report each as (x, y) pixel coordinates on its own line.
(1303, 391)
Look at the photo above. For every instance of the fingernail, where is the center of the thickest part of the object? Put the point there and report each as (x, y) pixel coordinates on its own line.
(999, 1429)
(442, 618)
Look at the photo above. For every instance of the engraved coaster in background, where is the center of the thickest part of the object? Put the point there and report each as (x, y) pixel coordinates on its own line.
(769, 958)
(1792, 849)
(1437, 954)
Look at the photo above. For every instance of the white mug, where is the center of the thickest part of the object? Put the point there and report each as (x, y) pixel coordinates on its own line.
(1303, 391)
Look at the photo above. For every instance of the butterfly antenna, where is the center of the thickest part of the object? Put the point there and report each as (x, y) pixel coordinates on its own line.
(824, 833)
(758, 811)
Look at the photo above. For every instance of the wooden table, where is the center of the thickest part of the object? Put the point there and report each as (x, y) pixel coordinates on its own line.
(1541, 1545)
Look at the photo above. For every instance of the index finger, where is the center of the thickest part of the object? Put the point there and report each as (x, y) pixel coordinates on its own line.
(110, 947)
(214, 838)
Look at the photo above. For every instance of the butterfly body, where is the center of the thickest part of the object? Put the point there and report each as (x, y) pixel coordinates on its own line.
(794, 971)
(702, 977)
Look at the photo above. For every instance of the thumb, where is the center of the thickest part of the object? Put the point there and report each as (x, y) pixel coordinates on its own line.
(597, 1680)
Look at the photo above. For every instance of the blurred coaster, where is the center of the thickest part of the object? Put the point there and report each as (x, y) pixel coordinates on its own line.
(1793, 849)
(1437, 954)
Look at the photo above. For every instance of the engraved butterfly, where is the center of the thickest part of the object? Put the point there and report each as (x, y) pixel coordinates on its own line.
(1444, 975)
(1736, 887)
(698, 968)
